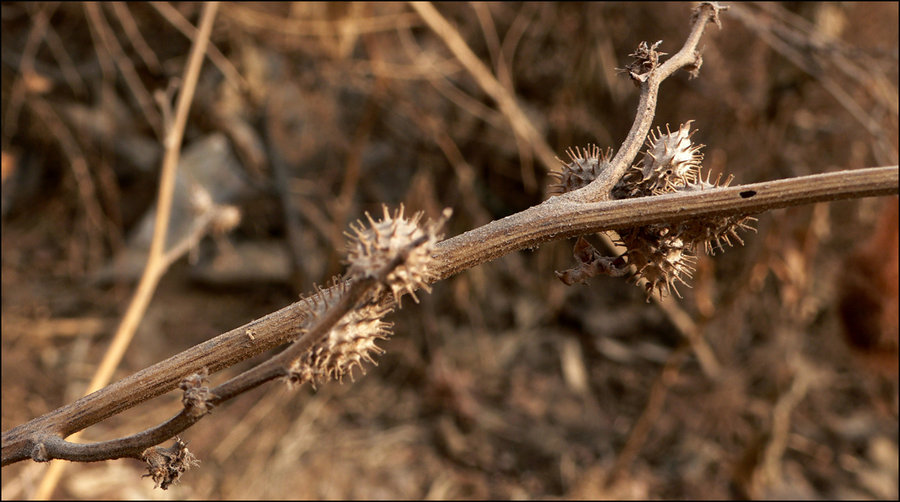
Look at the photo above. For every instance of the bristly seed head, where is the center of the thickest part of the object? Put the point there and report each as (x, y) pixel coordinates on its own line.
(665, 254)
(374, 246)
(583, 167)
(671, 161)
(350, 342)
(713, 231)
(660, 257)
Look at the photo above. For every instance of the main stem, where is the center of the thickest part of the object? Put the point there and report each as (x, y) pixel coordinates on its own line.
(557, 218)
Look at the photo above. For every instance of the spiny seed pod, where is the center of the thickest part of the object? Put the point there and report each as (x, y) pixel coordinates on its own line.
(705, 184)
(712, 231)
(583, 167)
(660, 257)
(350, 342)
(662, 254)
(670, 161)
(375, 246)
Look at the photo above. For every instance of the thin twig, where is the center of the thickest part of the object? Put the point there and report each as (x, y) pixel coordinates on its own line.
(600, 189)
(155, 263)
(47, 445)
(156, 266)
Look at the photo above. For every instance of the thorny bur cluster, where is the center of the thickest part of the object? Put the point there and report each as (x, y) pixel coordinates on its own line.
(663, 254)
(396, 252)
(352, 340)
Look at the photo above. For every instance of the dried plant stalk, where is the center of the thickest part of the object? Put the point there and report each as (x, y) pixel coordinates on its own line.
(380, 272)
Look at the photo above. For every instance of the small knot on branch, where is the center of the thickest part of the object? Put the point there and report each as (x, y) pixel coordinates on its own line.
(710, 9)
(646, 59)
(39, 453)
(197, 398)
(693, 69)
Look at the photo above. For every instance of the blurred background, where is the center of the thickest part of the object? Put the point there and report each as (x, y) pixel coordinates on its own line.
(774, 377)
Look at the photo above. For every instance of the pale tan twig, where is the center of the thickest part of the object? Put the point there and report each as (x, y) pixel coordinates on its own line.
(155, 263)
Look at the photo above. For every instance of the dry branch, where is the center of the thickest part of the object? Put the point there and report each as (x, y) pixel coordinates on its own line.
(158, 260)
(558, 218)
(588, 210)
